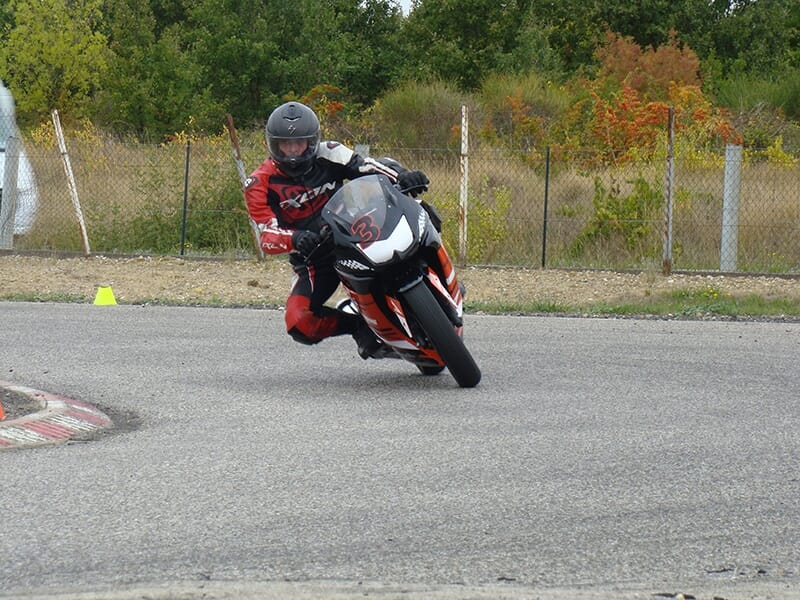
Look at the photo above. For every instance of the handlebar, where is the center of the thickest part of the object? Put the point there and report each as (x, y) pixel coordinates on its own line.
(325, 237)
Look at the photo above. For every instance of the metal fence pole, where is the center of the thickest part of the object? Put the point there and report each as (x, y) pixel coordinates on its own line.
(546, 198)
(185, 198)
(8, 193)
(729, 248)
(669, 186)
(463, 196)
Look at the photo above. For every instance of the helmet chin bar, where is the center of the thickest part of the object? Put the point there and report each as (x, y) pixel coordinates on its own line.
(295, 167)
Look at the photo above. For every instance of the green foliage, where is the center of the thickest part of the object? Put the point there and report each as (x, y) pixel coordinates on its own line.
(464, 40)
(627, 218)
(710, 300)
(216, 223)
(531, 53)
(53, 55)
(153, 67)
(171, 63)
(763, 105)
(254, 54)
(757, 36)
(418, 115)
(518, 110)
(146, 68)
(487, 222)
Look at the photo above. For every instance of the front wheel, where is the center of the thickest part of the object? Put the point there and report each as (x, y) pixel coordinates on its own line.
(426, 370)
(442, 335)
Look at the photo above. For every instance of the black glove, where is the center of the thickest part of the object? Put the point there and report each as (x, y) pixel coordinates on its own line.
(304, 241)
(412, 182)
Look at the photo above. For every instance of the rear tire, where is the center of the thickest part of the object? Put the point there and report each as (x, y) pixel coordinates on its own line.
(442, 335)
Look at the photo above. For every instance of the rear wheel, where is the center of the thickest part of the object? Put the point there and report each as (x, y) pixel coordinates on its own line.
(442, 335)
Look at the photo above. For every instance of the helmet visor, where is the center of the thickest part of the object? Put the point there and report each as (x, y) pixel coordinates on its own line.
(293, 153)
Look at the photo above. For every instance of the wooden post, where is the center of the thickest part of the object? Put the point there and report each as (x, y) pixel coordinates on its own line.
(237, 156)
(73, 189)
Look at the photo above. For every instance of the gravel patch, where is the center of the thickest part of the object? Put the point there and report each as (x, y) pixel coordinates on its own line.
(145, 279)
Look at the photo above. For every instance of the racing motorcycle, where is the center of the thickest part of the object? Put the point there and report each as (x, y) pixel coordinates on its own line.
(399, 277)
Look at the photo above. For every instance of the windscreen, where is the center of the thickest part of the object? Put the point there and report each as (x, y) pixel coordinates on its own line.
(362, 201)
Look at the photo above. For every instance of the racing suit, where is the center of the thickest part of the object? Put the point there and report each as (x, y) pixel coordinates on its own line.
(280, 205)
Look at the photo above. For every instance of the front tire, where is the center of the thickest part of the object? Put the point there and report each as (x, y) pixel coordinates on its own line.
(442, 335)
(430, 370)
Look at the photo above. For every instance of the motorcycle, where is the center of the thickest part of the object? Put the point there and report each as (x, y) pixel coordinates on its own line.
(399, 277)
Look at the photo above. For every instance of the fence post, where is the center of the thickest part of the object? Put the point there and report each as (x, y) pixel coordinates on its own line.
(73, 188)
(185, 198)
(8, 199)
(546, 198)
(729, 247)
(464, 191)
(669, 186)
(237, 156)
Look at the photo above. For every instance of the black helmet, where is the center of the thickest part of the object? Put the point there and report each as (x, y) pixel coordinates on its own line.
(293, 121)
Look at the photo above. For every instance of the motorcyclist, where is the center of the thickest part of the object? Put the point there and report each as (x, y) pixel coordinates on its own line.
(285, 196)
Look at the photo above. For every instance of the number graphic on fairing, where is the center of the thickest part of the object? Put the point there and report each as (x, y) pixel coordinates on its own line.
(365, 229)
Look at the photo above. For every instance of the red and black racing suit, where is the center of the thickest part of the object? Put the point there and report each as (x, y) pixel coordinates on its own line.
(281, 205)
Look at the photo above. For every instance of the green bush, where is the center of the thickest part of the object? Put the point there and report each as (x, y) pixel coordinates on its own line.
(216, 223)
(417, 115)
(487, 222)
(625, 218)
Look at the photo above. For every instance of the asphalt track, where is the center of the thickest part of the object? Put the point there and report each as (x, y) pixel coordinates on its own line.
(598, 458)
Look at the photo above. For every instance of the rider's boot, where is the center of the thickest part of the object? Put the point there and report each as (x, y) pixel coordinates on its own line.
(367, 342)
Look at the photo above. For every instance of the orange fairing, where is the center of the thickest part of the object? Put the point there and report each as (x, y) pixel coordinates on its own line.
(453, 290)
(398, 338)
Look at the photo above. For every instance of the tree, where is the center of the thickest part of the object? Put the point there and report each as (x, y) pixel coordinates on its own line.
(576, 27)
(53, 56)
(254, 54)
(372, 55)
(650, 71)
(153, 84)
(127, 97)
(464, 40)
(758, 36)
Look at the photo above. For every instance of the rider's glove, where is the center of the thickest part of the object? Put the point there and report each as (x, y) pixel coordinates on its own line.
(304, 241)
(412, 182)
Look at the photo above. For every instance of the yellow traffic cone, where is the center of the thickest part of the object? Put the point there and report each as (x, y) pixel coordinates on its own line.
(104, 296)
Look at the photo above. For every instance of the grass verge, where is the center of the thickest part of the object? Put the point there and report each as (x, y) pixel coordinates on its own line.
(704, 303)
(676, 304)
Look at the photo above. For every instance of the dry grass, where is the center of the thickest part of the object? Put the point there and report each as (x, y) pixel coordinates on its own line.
(118, 181)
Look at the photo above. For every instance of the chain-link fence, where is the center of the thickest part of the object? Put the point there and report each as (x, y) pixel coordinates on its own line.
(541, 210)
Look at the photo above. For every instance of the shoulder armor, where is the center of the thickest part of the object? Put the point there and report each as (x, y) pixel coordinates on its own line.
(335, 152)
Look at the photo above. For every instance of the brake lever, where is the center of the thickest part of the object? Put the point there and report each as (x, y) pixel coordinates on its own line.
(415, 190)
(325, 235)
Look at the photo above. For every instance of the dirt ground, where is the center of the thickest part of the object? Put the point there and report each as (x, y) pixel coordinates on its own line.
(138, 280)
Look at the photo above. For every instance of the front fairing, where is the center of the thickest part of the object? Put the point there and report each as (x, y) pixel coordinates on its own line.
(384, 243)
(373, 223)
